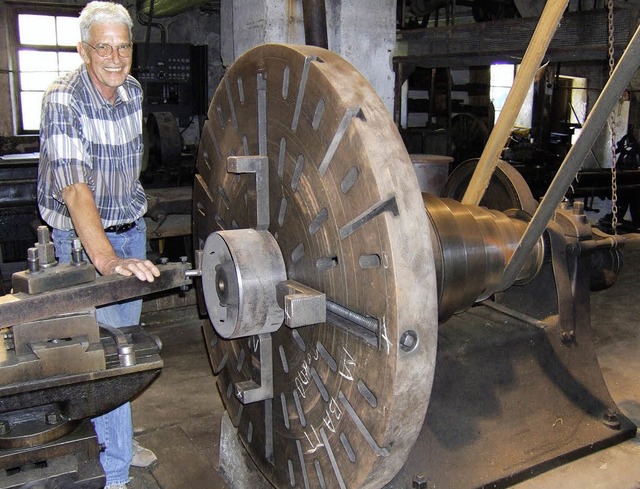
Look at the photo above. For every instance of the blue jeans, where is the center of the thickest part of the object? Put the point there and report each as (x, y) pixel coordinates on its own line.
(115, 428)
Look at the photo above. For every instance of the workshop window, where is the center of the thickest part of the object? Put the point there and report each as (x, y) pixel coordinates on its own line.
(45, 49)
(502, 77)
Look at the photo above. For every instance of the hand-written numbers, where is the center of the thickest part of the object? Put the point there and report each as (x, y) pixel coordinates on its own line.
(348, 363)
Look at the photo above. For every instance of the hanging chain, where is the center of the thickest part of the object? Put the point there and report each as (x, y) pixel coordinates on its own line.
(614, 181)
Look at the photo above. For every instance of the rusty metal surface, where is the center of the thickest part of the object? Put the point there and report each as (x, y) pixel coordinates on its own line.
(19, 308)
(345, 209)
(342, 403)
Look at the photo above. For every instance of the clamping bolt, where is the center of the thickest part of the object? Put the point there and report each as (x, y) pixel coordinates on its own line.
(33, 262)
(76, 252)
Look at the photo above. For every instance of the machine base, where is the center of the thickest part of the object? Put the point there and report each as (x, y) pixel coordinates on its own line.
(70, 462)
(507, 404)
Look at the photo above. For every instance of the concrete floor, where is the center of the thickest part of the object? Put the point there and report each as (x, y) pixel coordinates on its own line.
(179, 415)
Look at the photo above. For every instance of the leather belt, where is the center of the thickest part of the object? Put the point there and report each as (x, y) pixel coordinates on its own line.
(120, 228)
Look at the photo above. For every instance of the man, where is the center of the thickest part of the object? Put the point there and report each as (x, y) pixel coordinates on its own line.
(91, 146)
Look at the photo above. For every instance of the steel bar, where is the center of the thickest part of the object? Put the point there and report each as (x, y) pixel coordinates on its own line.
(366, 322)
(508, 311)
(20, 308)
(618, 82)
(547, 25)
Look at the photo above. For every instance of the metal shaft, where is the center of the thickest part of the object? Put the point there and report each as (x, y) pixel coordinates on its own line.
(619, 80)
(471, 247)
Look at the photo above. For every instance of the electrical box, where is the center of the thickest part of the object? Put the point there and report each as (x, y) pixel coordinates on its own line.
(173, 77)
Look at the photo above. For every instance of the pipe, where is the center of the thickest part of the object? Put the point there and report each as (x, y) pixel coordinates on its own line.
(148, 23)
(314, 14)
(618, 82)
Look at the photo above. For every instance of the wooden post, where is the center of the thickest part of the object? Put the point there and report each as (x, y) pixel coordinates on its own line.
(547, 25)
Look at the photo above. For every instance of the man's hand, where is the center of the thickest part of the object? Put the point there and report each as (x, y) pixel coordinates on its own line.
(143, 269)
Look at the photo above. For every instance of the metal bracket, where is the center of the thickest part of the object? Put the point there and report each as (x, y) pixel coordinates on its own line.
(260, 166)
(44, 273)
(250, 391)
(302, 305)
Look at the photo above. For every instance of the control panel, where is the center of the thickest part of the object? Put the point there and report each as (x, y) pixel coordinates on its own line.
(176, 66)
(173, 77)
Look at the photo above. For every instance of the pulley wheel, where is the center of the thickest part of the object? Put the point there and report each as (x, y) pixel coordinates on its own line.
(507, 188)
(350, 394)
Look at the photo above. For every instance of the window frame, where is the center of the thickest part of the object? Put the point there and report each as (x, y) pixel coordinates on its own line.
(15, 45)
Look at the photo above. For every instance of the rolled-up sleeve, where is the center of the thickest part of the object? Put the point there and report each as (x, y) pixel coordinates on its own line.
(68, 158)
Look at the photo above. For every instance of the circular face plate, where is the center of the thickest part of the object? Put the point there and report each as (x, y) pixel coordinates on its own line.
(349, 395)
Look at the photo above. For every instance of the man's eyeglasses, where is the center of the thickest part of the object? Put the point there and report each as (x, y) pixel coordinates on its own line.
(105, 50)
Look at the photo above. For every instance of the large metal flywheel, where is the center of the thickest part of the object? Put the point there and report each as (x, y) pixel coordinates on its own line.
(302, 176)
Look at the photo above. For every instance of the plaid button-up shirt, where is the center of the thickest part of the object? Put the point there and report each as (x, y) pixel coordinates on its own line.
(85, 139)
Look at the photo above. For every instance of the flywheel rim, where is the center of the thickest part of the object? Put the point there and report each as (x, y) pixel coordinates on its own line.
(346, 211)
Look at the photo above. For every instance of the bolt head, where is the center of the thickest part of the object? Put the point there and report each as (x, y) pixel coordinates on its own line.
(568, 337)
(419, 482)
(611, 419)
